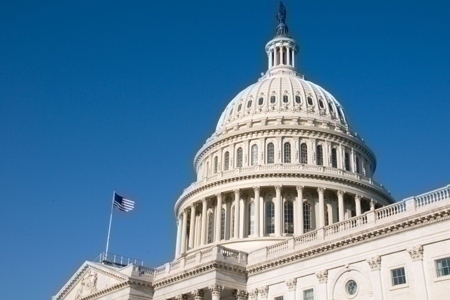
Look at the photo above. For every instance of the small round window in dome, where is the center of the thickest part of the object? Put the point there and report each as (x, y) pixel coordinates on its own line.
(351, 287)
(321, 103)
(249, 104)
(261, 101)
(285, 98)
(298, 100)
(310, 101)
(239, 107)
(273, 99)
(330, 107)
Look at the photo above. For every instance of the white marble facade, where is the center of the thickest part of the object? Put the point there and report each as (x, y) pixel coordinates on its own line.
(285, 207)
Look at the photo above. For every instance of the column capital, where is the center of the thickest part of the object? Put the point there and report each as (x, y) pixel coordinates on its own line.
(263, 291)
(299, 188)
(340, 193)
(291, 284)
(240, 294)
(218, 195)
(253, 294)
(215, 289)
(416, 252)
(256, 188)
(358, 197)
(198, 294)
(181, 297)
(236, 191)
(278, 187)
(374, 262)
(322, 276)
(321, 190)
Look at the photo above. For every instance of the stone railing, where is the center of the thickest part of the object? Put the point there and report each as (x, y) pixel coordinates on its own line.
(390, 210)
(433, 196)
(345, 225)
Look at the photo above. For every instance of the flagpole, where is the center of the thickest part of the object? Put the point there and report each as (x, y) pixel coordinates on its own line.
(110, 221)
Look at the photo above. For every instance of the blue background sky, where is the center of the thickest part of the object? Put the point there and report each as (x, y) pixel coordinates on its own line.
(97, 95)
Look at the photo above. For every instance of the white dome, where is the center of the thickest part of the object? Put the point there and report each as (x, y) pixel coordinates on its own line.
(284, 93)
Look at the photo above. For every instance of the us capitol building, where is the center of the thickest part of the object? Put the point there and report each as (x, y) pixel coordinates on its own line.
(285, 207)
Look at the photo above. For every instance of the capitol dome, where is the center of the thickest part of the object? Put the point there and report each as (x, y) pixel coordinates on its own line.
(282, 162)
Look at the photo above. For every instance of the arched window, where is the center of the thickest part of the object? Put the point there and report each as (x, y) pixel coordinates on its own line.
(358, 170)
(304, 154)
(254, 155)
(232, 222)
(330, 107)
(270, 153)
(249, 104)
(270, 217)
(226, 163)
(310, 101)
(321, 104)
(210, 227)
(288, 217)
(287, 153)
(251, 218)
(239, 107)
(216, 164)
(319, 155)
(222, 224)
(306, 217)
(273, 99)
(334, 158)
(298, 99)
(239, 157)
(347, 161)
(285, 98)
(261, 101)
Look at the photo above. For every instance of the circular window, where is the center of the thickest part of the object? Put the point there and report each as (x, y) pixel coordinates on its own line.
(285, 99)
(249, 104)
(298, 100)
(273, 99)
(261, 101)
(351, 288)
(239, 107)
(310, 101)
(321, 103)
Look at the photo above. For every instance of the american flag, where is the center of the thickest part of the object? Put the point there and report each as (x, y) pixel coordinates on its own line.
(123, 204)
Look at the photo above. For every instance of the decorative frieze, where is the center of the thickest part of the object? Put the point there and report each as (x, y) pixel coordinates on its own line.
(416, 252)
(291, 284)
(322, 276)
(374, 262)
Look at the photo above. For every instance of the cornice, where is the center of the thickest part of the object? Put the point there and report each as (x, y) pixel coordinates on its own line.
(354, 239)
(119, 286)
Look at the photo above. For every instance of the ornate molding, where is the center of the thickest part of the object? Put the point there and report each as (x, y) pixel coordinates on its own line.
(374, 262)
(322, 276)
(321, 190)
(340, 193)
(253, 294)
(291, 284)
(416, 252)
(263, 291)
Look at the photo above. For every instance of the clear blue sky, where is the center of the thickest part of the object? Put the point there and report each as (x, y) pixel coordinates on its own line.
(97, 95)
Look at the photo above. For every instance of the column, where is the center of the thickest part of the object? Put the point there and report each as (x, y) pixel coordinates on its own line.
(281, 55)
(219, 217)
(227, 218)
(191, 229)
(288, 57)
(177, 247)
(375, 264)
(198, 294)
(236, 213)
(358, 204)
(292, 285)
(278, 210)
(242, 217)
(299, 215)
(322, 276)
(204, 219)
(256, 190)
(321, 191)
(293, 58)
(184, 233)
(215, 291)
(416, 254)
(270, 59)
(262, 217)
(340, 195)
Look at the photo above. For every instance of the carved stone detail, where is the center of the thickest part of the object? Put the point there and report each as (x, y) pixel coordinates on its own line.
(291, 284)
(374, 262)
(372, 204)
(322, 276)
(299, 188)
(88, 285)
(181, 297)
(253, 294)
(263, 291)
(216, 289)
(416, 252)
(321, 190)
(240, 294)
(278, 187)
(340, 193)
(198, 294)
(256, 188)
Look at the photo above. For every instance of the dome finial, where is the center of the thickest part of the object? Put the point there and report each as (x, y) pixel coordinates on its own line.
(282, 28)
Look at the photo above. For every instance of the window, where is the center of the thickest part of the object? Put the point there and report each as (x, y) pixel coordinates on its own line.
(304, 154)
(239, 107)
(239, 157)
(270, 153)
(254, 155)
(321, 103)
(351, 287)
(261, 101)
(210, 227)
(270, 217)
(278, 298)
(358, 170)
(347, 161)
(226, 163)
(306, 217)
(285, 98)
(310, 101)
(308, 294)
(251, 219)
(287, 153)
(222, 224)
(398, 276)
(334, 158)
(326, 215)
(288, 217)
(232, 222)
(319, 155)
(298, 100)
(231, 112)
(330, 107)
(273, 99)
(249, 104)
(443, 267)
(216, 164)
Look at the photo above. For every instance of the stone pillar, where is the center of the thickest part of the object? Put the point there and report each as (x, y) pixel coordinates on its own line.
(292, 285)
(179, 225)
(192, 225)
(375, 265)
(340, 195)
(227, 219)
(270, 59)
(237, 197)
(358, 204)
(288, 56)
(321, 191)
(256, 189)
(416, 254)
(322, 276)
(263, 292)
(219, 217)
(242, 217)
(299, 215)
(204, 219)
(278, 210)
(215, 291)
(240, 294)
(184, 233)
(198, 294)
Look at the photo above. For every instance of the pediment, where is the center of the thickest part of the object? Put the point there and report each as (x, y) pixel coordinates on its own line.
(90, 279)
